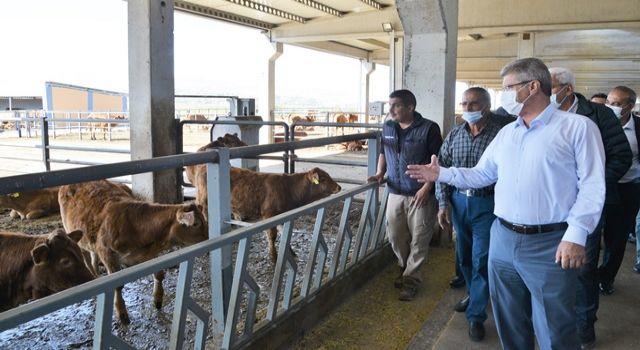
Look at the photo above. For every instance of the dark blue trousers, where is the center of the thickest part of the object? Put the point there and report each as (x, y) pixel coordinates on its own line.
(472, 218)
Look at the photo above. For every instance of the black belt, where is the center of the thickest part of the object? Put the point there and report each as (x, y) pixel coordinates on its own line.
(533, 229)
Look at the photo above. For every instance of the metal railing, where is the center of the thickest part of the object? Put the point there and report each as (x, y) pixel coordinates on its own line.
(227, 282)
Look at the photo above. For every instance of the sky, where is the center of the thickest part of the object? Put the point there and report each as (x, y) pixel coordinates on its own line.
(84, 42)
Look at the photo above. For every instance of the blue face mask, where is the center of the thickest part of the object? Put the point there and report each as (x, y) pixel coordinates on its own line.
(472, 117)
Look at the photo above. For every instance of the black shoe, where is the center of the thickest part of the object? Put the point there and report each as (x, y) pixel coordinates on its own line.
(457, 282)
(606, 288)
(398, 282)
(409, 289)
(587, 336)
(476, 330)
(462, 305)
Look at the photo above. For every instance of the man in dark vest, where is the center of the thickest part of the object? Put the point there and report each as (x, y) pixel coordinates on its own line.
(408, 138)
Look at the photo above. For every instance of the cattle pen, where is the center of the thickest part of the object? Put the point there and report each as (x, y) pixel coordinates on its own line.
(356, 256)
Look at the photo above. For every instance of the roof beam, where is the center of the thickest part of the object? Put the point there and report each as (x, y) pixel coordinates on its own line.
(464, 33)
(374, 4)
(269, 10)
(374, 42)
(209, 12)
(321, 7)
(336, 48)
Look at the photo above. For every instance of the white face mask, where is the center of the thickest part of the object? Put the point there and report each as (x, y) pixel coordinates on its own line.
(616, 110)
(472, 117)
(509, 102)
(554, 98)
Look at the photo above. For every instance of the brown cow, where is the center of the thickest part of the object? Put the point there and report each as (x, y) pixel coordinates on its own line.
(31, 204)
(34, 266)
(257, 195)
(197, 174)
(196, 117)
(122, 231)
(103, 126)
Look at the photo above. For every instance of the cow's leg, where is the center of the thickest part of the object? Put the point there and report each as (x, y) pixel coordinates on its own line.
(111, 262)
(158, 291)
(34, 214)
(94, 262)
(14, 214)
(272, 234)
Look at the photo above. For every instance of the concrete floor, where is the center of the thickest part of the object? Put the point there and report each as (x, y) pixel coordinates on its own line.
(616, 329)
(358, 325)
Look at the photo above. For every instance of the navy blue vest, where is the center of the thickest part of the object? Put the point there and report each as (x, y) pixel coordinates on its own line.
(399, 151)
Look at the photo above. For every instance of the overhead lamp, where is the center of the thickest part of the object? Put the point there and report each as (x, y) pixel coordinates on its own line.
(387, 27)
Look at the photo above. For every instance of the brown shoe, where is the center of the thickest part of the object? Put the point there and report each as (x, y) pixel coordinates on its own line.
(409, 289)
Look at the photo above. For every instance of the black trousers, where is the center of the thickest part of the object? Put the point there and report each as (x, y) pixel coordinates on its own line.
(620, 221)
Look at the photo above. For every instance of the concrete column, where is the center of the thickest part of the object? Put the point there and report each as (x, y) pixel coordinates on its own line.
(430, 49)
(526, 45)
(268, 100)
(367, 67)
(396, 62)
(151, 92)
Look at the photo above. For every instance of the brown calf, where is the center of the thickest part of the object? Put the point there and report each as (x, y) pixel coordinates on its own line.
(197, 174)
(262, 195)
(31, 204)
(104, 127)
(122, 231)
(34, 266)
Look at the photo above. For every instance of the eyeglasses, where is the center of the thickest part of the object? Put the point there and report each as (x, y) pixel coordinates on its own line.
(509, 87)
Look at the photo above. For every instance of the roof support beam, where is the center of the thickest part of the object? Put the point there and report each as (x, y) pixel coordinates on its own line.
(321, 7)
(374, 4)
(375, 42)
(209, 12)
(336, 48)
(269, 10)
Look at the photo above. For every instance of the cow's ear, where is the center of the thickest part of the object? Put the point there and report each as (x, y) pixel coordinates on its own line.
(235, 134)
(40, 253)
(315, 179)
(187, 218)
(76, 235)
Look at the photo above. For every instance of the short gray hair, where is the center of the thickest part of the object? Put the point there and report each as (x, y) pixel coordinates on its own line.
(530, 69)
(628, 91)
(563, 75)
(485, 97)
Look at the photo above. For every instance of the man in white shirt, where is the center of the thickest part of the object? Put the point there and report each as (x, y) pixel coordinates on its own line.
(549, 194)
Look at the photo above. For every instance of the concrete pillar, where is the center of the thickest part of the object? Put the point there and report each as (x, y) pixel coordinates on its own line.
(268, 100)
(430, 49)
(151, 92)
(367, 67)
(396, 62)
(526, 45)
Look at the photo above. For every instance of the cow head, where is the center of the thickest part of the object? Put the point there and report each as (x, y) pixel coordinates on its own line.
(189, 227)
(59, 263)
(322, 185)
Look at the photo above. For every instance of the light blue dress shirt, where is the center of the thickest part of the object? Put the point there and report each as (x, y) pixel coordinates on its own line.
(548, 173)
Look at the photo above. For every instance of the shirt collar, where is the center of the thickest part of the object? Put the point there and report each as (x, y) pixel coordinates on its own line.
(543, 117)
(631, 125)
(574, 105)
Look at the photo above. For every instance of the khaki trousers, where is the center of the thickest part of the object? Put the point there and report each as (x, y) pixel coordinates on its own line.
(409, 230)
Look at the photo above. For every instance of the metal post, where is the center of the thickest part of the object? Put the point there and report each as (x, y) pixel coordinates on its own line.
(45, 142)
(372, 168)
(219, 194)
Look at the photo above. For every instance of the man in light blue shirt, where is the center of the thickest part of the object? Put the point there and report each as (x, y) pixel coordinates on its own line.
(550, 190)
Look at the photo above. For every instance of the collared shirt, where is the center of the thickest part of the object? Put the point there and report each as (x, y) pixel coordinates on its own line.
(462, 149)
(574, 105)
(548, 173)
(634, 171)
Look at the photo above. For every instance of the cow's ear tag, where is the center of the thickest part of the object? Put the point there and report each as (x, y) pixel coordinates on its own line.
(15, 194)
(315, 181)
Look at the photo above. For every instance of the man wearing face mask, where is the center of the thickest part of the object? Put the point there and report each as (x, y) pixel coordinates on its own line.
(471, 210)
(618, 160)
(621, 100)
(548, 167)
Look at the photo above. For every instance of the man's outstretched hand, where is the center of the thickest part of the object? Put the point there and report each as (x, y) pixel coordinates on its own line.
(425, 173)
